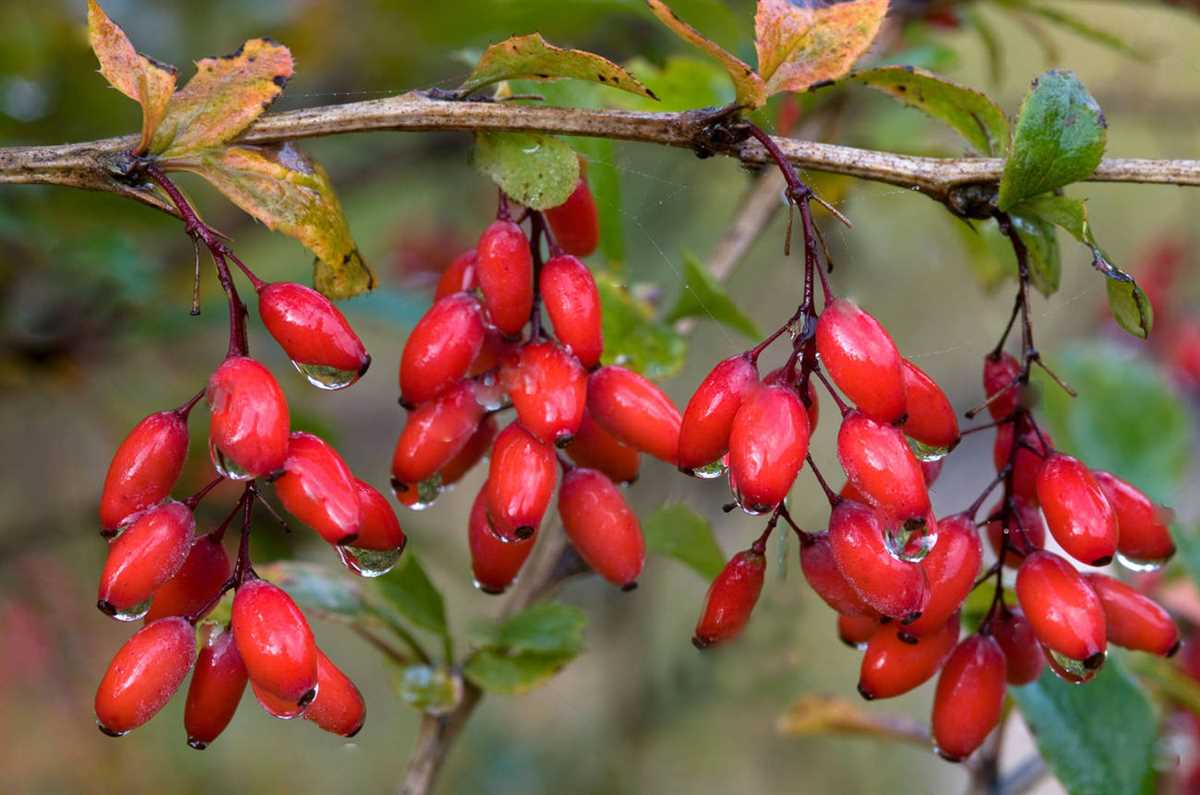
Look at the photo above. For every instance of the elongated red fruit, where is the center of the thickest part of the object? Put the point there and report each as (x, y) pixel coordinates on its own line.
(1022, 651)
(635, 410)
(856, 631)
(862, 360)
(969, 698)
(505, 271)
(767, 446)
(950, 569)
(595, 448)
(313, 333)
(144, 468)
(1076, 510)
(521, 478)
(275, 642)
(574, 223)
(879, 463)
(1144, 534)
(216, 689)
(731, 599)
(708, 418)
(1065, 612)
(893, 666)
(573, 303)
(826, 579)
(379, 529)
(441, 348)
(459, 276)
(1027, 463)
(1026, 531)
(999, 375)
(318, 489)
(250, 420)
(895, 588)
(931, 419)
(144, 674)
(602, 528)
(195, 584)
(434, 433)
(471, 453)
(275, 706)
(150, 552)
(339, 707)
(1134, 621)
(494, 563)
(548, 387)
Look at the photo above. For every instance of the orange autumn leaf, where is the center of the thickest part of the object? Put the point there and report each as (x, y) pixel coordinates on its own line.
(749, 88)
(799, 47)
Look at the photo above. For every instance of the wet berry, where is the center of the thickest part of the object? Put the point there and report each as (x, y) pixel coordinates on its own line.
(856, 631)
(894, 587)
(708, 418)
(574, 223)
(601, 527)
(275, 642)
(1144, 534)
(595, 448)
(1134, 621)
(879, 463)
(998, 376)
(216, 689)
(573, 303)
(521, 478)
(969, 697)
(1065, 612)
(441, 348)
(495, 563)
(313, 333)
(250, 421)
(950, 570)
(1022, 651)
(548, 387)
(1076, 510)
(731, 599)
(505, 272)
(767, 446)
(893, 665)
(930, 416)
(826, 579)
(147, 554)
(339, 707)
(378, 529)
(459, 276)
(144, 468)
(635, 410)
(318, 489)
(144, 674)
(471, 453)
(862, 360)
(434, 433)
(195, 584)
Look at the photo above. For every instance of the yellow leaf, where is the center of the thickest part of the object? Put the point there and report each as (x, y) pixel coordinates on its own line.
(799, 47)
(750, 91)
(224, 98)
(532, 57)
(820, 714)
(137, 76)
(289, 192)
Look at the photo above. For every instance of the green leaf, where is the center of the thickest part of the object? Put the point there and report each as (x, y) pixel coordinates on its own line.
(632, 337)
(546, 628)
(408, 590)
(496, 672)
(1041, 243)
(1097, 739)
(989, 253)
(681, 83)
(1130, 306)
(539, 171)
(318, 590)
(532, 57)
(702, 296)
(431, 690)
(677, 531)
(1127, 418)
(1059, 139)
(972, 114)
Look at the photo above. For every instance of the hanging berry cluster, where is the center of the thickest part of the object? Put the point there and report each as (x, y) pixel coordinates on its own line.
(161, 571)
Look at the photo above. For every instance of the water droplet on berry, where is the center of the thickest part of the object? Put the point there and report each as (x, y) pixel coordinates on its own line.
(927, 453)
(135, 613)
(909, 541)
(1141, 564)
(369, 562)
(325, 377)
(427, 493)
(224, 466)
(489, 394)
(1070, 670)
(709, 471)
(104, 729)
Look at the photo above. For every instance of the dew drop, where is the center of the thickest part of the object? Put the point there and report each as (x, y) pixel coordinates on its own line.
(489, 394)
(709, 471)
(1071, 670)
(105, 730)
(369, 562)
(225, 467)
(910, 542)
(134, 613)
(1141, 564)
(324, 377)
(927, 453)
(427, 493)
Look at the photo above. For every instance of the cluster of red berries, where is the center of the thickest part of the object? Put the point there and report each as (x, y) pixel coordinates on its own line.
(158, 568)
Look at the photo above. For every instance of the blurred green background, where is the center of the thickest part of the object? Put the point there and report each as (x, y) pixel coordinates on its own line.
(95, 333)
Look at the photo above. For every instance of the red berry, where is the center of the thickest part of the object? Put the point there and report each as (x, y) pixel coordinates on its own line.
(1076, 510)
(144, 468)
(1022, 651)
(595, 448)
(548, 388)
(1064, 611)
(894, 665)
(603, 530)
(879, 463)
(313, 333)
(824, 577)
(635, 410)
(812, 405)
(931, 419)
(1134, 621)
(931, 470)
(275, 642)
(435, 433)
(1027, 463)
(731, 599)
(856, 631)
(196, 583)
(494, 345)
(1026, 532)
(998, 376)
(150, 552)
(1144, 534)
(339, 707)
(862, 360)
(471, 453)
(216, 689)
(275, 706)
(767, 446)
(495, 563)
(505, 272)
(459, 276)
(144, 674)
(250, 422)
(708, 418)
(895, 588)
(379, 529)
(950, 569)
(574, 222)
(573, 303)
(318, 489)
(441, 348)
(521, 479)
(969, 698)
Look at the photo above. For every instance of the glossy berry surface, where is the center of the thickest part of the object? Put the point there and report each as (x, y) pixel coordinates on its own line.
(572, 301)
(878, 461)
(950, 570)
(471, 453)
(318, 489)
(574, 223)
(548, 388)
(148, 553)
(144, 468)
(195, 584)
(635, 410)
(434, 433)
(601, 527)
(216, 689)
(999, 375)
(1134, 621)
(459, 276)
(495, 563)
(144, 674)
(1064, 611)
(893, 666)
(504, 268)
(731, 599)
(441, 348)
(708, 418)
(767, 446)
(856, 631)
(895, 588)
(339, 707)
(378, 528)
(522, 474)
(595, 448)
(930, 416)
(250, 420)
(1076, 510)
(862, 360)
(969, 697)
(1143, 528)
(275, 642)
(826, 579)
(1023, 656)
(312, 331)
